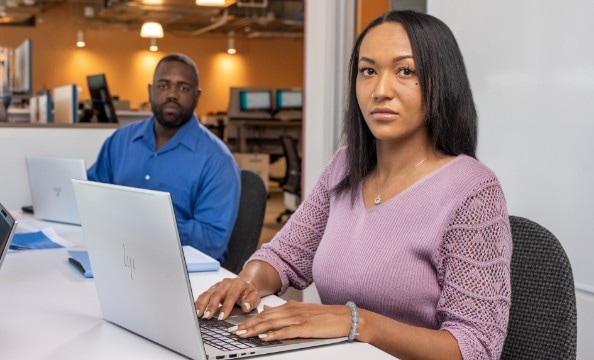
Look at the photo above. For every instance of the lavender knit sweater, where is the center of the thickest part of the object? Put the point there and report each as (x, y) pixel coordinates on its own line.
(437, 255)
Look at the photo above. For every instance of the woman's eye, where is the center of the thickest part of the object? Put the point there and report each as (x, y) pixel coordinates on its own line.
(366, 71)
(406, 72)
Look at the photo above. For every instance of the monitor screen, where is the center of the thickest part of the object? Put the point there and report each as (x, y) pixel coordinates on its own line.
(101, 98)
(289, 99)
(23, 83)
(255, 100)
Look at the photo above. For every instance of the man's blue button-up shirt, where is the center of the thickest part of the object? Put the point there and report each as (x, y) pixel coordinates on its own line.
(194, 166)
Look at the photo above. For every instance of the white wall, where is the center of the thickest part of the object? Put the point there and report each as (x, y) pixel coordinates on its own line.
(16, 143)
(329, 35)
(531, 66)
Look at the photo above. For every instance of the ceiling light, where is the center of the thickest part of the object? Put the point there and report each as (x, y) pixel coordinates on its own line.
(80, 39)
(153, 45)
(231, 50)
(210, 2)
(220, 3)
(151, 30)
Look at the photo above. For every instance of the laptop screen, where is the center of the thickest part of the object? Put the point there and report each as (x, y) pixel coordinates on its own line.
(51, 187)
(7, 226)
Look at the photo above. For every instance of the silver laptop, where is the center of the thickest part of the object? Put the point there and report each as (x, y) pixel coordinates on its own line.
(51, 188)
(7, 227)
(140, 273)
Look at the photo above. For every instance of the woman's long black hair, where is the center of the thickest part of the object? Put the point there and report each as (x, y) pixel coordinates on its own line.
(447, 99)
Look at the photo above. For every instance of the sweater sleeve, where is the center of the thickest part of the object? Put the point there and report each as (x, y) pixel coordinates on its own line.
(474, 272)
(292, 250)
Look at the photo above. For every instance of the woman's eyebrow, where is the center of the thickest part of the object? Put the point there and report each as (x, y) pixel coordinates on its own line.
(366, 59)
(395, 60)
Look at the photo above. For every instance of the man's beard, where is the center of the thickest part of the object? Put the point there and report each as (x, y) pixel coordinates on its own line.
(183, 118)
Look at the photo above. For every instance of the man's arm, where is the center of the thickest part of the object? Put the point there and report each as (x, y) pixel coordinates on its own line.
(215, 210)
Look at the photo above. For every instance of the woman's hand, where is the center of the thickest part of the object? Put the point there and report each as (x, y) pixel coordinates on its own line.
(297, 320)
(226, 294)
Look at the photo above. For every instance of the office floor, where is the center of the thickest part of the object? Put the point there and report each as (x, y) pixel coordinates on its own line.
(274, 206)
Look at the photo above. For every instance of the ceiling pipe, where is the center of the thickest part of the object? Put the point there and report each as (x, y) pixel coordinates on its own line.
(252, 4)
(221, 22)
(274, 34)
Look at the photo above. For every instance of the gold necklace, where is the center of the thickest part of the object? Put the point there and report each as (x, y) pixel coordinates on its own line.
(378, 198)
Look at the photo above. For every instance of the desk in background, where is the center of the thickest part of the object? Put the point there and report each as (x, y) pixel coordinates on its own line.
(261, 136)
(48, 311)
(23, 116)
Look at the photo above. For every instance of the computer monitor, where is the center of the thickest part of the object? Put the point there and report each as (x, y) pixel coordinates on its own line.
(255, 100)
(289, 99)
(101, 98)
(23, 82)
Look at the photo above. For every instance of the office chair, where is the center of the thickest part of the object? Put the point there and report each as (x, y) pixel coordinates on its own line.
(543, 317)
(291, 183)
(250, 219)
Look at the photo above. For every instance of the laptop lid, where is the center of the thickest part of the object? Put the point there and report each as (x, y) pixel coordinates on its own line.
(140, 271)
(138, 264)
(51, 188)
(7, 227)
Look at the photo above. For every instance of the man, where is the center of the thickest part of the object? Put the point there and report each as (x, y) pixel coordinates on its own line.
(171, 151)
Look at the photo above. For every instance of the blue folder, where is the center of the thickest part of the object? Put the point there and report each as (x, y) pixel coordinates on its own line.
(32, 241)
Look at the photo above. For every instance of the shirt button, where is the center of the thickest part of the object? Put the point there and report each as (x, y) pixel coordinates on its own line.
(147, 177)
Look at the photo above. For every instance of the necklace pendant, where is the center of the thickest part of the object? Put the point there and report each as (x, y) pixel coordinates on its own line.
(378, 200)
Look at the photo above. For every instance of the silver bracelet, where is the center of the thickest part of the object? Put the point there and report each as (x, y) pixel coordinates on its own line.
(355, 321)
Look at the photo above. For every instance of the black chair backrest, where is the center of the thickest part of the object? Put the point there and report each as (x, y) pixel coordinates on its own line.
(250, 219)
(543, 318)
(292, 180)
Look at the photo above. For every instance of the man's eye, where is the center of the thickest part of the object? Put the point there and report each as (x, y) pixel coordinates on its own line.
(162, 86)
(184, 88)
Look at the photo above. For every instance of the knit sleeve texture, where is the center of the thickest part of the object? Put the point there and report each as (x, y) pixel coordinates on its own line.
(291, 252)
(473, 270)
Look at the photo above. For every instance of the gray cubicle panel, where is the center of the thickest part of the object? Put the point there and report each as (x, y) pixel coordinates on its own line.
(18, 142)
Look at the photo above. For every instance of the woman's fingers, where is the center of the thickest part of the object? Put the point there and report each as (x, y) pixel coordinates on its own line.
(241, 294)
(218, 300)
(298, 320)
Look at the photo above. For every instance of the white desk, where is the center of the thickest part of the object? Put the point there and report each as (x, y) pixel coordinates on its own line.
(49, 311)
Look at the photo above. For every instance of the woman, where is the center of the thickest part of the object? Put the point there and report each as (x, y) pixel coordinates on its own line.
(404, 225)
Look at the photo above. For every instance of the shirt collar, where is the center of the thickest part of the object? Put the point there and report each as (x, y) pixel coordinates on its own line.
(187, 135)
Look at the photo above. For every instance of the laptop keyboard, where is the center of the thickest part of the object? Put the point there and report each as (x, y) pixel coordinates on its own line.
(214, 333)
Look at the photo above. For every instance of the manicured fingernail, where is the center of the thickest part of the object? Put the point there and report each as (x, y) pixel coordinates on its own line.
(240, 332)
(232, 329)
(206, 314)
(221, 316)
(263, 336)
(247, 306)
